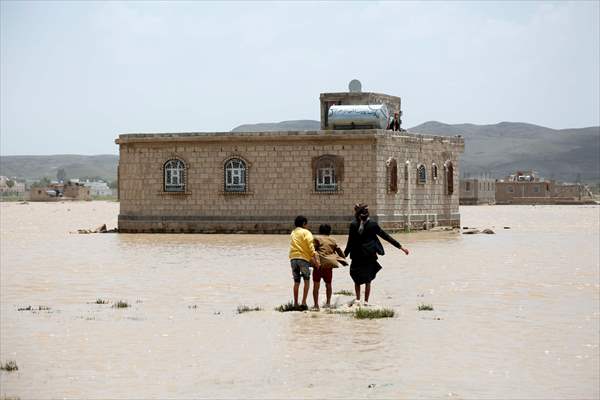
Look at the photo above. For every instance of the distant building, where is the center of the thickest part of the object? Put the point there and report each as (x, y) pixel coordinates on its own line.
(525, 187)
(257, 182)
(577, 192)
(480, 190)
(98, 188)
(60, 192)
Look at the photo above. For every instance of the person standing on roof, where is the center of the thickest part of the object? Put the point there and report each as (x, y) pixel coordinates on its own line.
(395, 123)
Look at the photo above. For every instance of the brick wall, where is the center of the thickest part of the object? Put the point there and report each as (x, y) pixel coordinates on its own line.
(417, 205)
(508, 192)
(477, 191)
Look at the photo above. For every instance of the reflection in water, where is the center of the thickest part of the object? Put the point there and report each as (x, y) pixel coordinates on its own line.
(516, 314)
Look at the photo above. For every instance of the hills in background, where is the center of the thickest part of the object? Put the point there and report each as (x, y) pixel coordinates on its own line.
(33, 168)
(296, 125)
(498, 149)
(561, 154)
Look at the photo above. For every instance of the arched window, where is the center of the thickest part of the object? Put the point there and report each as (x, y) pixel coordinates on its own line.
(449, 177)
(235, 175)
(421, 174)
(326, 175)
(434, 171)
(174, 176)
(392, 175)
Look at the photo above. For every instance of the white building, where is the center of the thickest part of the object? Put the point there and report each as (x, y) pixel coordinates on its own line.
(98, 188)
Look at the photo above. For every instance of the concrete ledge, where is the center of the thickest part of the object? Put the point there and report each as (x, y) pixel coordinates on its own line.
(546, 201)
(272, 224)
(475, 202)
(320, 135)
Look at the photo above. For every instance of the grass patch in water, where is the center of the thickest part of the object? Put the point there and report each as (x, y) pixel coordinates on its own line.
(101, 301)
(424, 307)
(286, 307)
(121, 304)
(38, 308)
(290, 307)
(9, 366)
(373, 313)
(244, 308)
(344, 292)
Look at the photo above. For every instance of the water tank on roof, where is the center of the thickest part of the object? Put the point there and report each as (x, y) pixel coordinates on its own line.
(368, 116)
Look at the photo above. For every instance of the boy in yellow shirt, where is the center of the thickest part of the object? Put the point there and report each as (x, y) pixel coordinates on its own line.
(302, 252)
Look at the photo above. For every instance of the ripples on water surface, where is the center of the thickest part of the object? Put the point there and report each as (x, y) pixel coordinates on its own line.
(516, 314)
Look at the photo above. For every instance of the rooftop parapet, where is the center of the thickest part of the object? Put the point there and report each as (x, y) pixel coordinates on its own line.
(358, 134)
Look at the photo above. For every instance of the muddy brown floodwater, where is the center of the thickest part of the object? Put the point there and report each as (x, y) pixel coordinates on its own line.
(516, 314)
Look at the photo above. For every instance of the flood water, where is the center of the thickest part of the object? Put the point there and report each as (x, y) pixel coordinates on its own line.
(516, 314)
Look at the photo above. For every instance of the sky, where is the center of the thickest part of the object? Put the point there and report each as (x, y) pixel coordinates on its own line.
(74, 75)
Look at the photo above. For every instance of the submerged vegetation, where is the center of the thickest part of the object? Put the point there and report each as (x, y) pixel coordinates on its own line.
(372, 313)
(290, 307)
(38, 308)
(244, 308)
(344, 292)
(121, 304)
(9, 366)
(286, 307)
(424, 307)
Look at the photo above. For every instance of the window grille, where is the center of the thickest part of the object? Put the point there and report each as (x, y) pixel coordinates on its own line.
(326, 179)
(235, 175)
(421, 175)
(434, 171)
(174, 176)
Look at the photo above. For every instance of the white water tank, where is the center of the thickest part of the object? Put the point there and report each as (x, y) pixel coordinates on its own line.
(367, 116)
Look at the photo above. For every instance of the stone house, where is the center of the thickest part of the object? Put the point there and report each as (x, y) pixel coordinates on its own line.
(257, 182)
(98, 188)
(480, 190)
(525, 187)
(60, 192)
(573, 192)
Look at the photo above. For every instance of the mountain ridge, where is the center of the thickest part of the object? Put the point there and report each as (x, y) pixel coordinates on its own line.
(75, 165)
(569, 154)
(564, 154)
